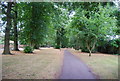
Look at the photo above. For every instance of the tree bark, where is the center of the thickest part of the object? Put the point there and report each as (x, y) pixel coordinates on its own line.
(7, 30)
(90, 53)
(15, 31)
(36, 46)
(58, 39)
(90, 49)
(62, 40)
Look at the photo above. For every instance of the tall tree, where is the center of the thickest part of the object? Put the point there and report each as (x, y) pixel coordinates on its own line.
(15, 28)
(7, 29)
(61, 18)
(91, 24)
(35, 21)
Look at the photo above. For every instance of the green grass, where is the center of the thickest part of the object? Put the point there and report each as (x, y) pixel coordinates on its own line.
(104, 66)
(43, 64)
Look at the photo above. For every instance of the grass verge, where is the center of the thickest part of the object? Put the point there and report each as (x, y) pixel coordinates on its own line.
(42, 64)
(105, 66)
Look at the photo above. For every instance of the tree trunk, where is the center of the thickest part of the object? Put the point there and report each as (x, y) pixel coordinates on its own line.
(7, 30)
(90, 53)
(90, 48)
(15, 31)
(62, 40)
(58, 39)
(36, 46)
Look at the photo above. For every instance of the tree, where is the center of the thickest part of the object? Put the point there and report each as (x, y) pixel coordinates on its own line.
(15, 28)
(7, 29)
(60, 21)
(35, 21)
(92, 24)
(78, 25)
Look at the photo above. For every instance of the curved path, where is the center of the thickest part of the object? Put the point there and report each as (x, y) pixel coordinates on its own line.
(73, 68)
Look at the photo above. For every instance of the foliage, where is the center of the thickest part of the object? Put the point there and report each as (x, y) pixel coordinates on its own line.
(1, 41)
(110, 46)
(60, 21)
(28, 49)
(84, 25)
(57, 47)
(35, 20)
(90, 25)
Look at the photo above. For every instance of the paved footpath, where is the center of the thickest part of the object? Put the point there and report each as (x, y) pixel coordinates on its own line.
(73, 68)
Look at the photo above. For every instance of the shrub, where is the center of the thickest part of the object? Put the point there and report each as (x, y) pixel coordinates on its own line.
(28, 49)
(111, 47)
(84, 50)
(57, 47)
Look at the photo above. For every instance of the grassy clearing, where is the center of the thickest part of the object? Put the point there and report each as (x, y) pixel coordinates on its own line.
(105, 66)
(43, 64)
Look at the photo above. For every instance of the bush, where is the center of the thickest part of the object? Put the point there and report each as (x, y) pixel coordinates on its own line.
(111, 47)
(84, 50)
(57, 47)
(28, 49)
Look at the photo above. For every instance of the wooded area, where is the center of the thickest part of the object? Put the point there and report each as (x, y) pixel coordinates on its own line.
(60, 40)
(89, 26)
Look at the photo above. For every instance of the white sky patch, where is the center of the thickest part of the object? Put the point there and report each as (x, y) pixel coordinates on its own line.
(117, 2)
(55, 6)
(72, 14)
(113, 37)
(1, 27)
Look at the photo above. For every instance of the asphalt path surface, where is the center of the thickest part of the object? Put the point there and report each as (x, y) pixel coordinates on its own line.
(74, 68)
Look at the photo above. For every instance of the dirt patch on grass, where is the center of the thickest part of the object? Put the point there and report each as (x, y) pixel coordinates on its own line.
(105, 66)
(42, 64)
